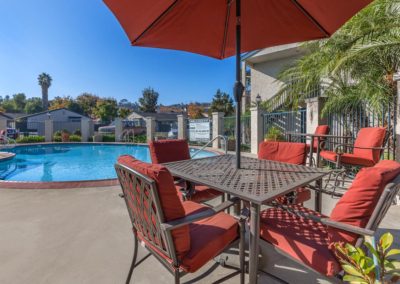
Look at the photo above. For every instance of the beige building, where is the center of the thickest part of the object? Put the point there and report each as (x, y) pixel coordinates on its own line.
(262, 68)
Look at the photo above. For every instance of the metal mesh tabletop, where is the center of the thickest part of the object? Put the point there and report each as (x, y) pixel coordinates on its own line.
(257, 180)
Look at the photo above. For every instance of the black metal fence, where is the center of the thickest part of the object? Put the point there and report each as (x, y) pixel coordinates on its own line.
(286, 121)
(229, 130)
(349, 123)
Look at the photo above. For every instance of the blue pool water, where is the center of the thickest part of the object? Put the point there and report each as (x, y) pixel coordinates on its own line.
(70, 162)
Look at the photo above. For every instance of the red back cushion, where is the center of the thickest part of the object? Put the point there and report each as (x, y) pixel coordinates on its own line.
(170, 202)
(358, 203)
(370, 137)
(286, 152)
(321, 129)
(165, 151)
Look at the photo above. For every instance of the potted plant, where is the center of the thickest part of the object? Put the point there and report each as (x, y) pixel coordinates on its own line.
(231, 140)
(274, 134)
(64, 135)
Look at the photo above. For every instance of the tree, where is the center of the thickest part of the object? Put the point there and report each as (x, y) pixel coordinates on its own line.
(33, 105)
(44, 81)
(66, 102)
(124, 112)
(148, 101)
(87, 102)
(106, 109)
(222, 102)
(16, 104)
(195, 111)
(355, 66)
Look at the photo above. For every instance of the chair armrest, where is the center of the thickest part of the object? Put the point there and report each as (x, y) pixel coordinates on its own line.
(347, 227)
(329, 222)
(356, 147)
(211, 211)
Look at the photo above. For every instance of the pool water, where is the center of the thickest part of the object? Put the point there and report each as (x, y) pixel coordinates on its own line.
(71, 162)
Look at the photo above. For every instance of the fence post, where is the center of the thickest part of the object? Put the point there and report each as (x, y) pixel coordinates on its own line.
(217, 124)
(48, 130)
(118, 129)
(256, 128)
(3, 123)
(86, 129)
(314, 110)
(151, 128)
(182, 126)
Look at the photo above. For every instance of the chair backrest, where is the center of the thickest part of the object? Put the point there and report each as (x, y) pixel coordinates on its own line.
(321, 129)
(286, 152)
(370, 137)
(151, 199)
(165, 151)
(367, 200)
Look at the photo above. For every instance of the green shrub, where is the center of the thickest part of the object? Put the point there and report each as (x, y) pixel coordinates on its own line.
(75, 138)
(57, 138)
(57, 133)
(90, 139)
(274, 134)
(140, 139)
(77, 132)
(30, 139)
(109, 138)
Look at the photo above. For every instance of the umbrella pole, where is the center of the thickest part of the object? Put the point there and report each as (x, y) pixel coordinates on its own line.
(239, 88)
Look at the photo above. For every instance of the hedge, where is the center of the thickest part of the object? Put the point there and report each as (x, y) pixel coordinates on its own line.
(30, 139)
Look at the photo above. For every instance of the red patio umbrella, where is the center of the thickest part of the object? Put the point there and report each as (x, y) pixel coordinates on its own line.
(222, 28)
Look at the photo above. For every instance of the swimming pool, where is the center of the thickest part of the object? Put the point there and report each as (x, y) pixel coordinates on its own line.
(70, 162)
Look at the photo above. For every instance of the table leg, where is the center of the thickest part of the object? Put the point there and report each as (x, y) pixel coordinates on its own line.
(254, 242)
(311, 150)
(318, 196)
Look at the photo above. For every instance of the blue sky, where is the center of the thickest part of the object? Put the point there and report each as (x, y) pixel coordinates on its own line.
(81, 45)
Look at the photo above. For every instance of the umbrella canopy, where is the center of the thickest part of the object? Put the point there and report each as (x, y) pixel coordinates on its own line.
(222, 28)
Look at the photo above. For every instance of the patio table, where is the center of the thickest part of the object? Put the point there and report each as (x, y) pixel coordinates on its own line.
(257, 181)
(319, 137)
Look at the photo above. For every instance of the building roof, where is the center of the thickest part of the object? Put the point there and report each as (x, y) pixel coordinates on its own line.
(14, 115)
(51, 111)
(158, 116)
(5, 115)
(274, 53)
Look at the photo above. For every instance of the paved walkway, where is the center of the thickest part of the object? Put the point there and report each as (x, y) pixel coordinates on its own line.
(84, 236)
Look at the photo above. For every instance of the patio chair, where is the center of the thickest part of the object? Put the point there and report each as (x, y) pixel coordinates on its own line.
(287, 152)
(321, 130)
(367, 149)
(182, 235)
(165, 151)
(307, 237)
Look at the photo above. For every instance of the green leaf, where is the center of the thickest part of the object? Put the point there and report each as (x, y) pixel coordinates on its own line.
(393, 252)
(386, 241)
(372, 250)
(354, 279)
(351, 270)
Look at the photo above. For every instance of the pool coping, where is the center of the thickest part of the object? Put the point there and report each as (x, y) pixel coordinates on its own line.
(9, 184)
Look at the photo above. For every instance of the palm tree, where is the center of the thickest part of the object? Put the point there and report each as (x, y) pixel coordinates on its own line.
(44, 80)
(355, 66)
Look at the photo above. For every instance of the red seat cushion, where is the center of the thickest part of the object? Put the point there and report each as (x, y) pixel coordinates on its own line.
(304, 240)
(169, 199)
(357, 204)
(348, 159)
(286, 152)
(369, 137)
(165, 151)
(208, 237)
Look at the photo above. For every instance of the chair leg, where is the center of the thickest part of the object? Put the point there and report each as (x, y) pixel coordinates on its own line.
(241, 249)
(135, 251)
(177, 277)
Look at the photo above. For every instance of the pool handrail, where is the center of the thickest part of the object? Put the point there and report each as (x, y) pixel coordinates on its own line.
(212, 140)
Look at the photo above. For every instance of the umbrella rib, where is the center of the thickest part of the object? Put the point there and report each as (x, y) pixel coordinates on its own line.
(158, 19)
(311, 18)
(228, 11)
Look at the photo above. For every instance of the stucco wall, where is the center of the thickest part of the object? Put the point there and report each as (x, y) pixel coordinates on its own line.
(59, 115)
(264, 77)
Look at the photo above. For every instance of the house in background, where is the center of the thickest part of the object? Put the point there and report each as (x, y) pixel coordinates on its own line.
(62, 119)
(261, 69)
(166, 123)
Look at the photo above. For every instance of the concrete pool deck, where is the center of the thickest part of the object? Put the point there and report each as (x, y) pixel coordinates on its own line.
(84, 236)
